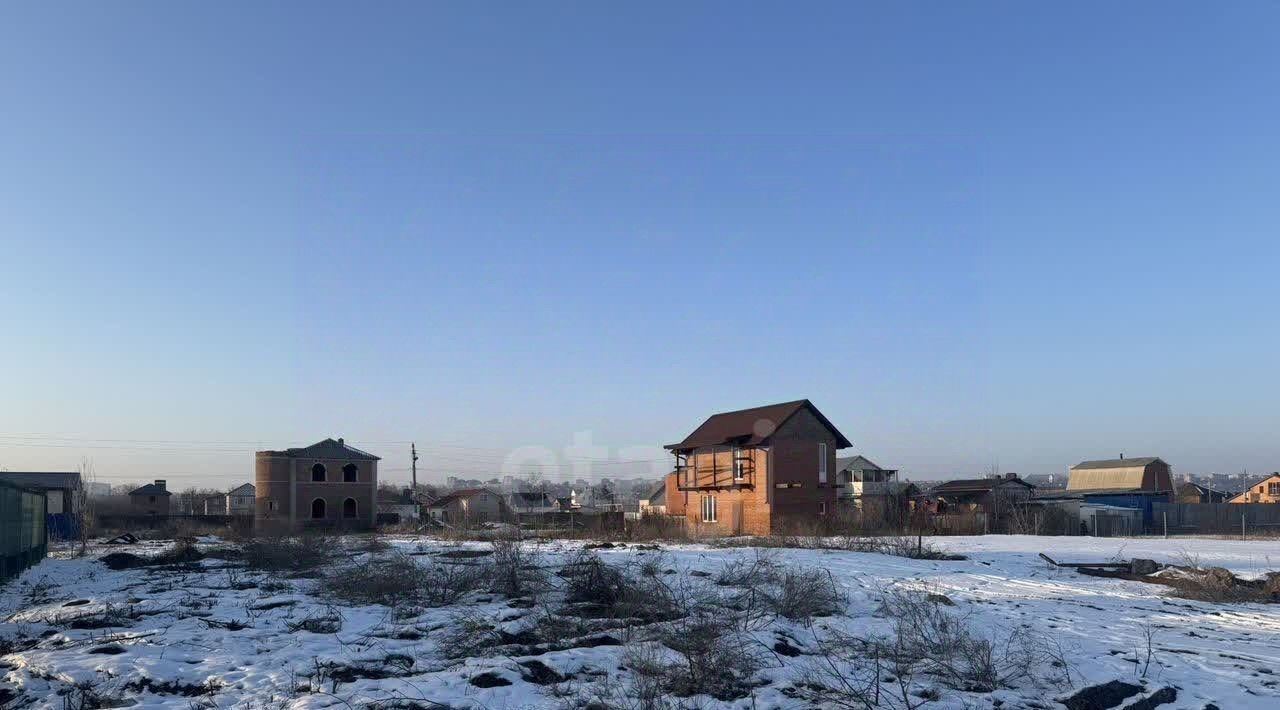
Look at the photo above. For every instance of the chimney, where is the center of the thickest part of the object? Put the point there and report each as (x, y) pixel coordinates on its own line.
(341, 442)
(160, 483)
(1011, 476)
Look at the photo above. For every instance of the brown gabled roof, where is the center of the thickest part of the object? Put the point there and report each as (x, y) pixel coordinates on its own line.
(974, 485)
(751, 427)
(459, 494)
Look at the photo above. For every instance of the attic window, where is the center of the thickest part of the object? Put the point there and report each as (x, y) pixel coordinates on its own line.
(349, 473)
(317, 473)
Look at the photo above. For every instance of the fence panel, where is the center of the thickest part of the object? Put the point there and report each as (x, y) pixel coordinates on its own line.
(23, 536)
(1216, 518)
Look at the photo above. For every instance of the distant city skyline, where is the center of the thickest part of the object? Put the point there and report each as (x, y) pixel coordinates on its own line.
(1030, 234)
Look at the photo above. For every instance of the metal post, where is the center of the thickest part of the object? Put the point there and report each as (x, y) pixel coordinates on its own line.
(1165, 515)
(1243, 536)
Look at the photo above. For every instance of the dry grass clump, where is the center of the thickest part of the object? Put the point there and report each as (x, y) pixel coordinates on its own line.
(928, 642)
(286, 554)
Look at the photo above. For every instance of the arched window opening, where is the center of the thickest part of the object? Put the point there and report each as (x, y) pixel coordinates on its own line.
(349, 508)
(317, 472)
(349, 473)
(317, 508)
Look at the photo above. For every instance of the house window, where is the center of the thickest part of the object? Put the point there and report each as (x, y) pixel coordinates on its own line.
(737, 465)
(151, 499)
(317, 508)
(317, 473)
(822, 508)
(708, 509)
(271, 505)
(349, 508)
(349, 473)
(1273, 489)
(822, 462)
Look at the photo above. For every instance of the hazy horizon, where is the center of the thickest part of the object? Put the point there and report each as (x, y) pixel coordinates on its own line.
(973, 235)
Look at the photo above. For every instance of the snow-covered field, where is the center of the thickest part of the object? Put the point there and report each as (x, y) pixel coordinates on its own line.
(172, 647)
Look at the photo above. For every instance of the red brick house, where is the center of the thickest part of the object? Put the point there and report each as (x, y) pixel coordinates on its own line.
(756, 471)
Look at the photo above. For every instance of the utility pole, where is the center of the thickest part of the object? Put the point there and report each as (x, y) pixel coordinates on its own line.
(413, 451)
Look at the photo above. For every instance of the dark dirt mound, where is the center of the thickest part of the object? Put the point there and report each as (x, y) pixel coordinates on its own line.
(1102, 697)
(173, 687)
(540, 673)
(1160, 697)
(784, 648)
(121, 560)
(489, 680)
(108, 650)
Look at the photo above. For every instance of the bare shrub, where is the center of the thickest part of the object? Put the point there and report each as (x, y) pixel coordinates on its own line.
(806, 592)
(283, 554)
(928, 639)
(713, 658)
(590, 579)
(446, 583)
(516, 570)
(387, 581)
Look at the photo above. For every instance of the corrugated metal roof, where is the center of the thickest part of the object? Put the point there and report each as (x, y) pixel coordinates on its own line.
(1115, 463)
(68, 480)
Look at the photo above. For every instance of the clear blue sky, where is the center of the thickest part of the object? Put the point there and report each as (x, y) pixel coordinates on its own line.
(966, 231)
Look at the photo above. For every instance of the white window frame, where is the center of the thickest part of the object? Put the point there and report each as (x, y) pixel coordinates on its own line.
(709, 509)
(822, 462)
(738, 472)
(822, 508)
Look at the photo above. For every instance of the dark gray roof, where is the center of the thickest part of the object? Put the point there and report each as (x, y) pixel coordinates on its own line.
(242, 489)
(658, 496)
(975, 485)
(150, 489)
(1116, 463)
(858, 463)
(327, 449)
(68, 480)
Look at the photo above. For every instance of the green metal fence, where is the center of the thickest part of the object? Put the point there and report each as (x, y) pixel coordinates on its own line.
(23, 537)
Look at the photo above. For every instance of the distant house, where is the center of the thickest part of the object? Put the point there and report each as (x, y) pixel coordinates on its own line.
(757, 470)
(531, 502)
(655, 503)
(240, 500)
(469, 506)
(1265, 491)
(864, 483)
(211, 505)
(991, 495)
(401, 504)
(151, 499)
(1148, 474)
(328, 483)
(1196, 493)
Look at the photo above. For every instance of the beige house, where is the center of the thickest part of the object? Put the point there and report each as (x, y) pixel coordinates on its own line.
(1148, 474)
(151, 499)
(327, 484)
(469, 506)
(1265, 491)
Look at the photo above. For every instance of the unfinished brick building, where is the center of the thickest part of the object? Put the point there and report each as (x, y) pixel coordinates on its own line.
(756, 471)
